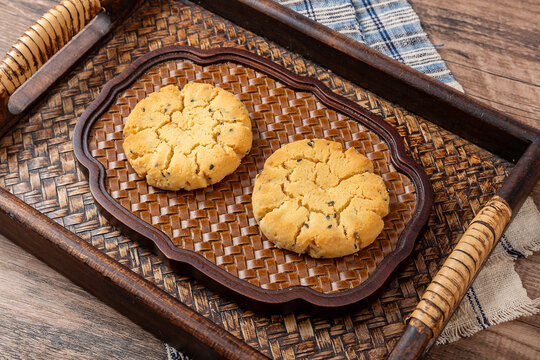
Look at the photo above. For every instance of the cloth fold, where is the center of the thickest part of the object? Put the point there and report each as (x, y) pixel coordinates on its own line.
(389, 26)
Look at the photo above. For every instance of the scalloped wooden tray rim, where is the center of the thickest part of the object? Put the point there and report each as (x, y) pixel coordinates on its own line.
(210, 271)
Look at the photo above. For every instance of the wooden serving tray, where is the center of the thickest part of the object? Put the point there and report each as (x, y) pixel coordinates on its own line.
(213, 230)
(46, 205)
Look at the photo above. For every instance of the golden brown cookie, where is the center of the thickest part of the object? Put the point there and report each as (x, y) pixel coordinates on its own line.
(187, 139)
(314, 198)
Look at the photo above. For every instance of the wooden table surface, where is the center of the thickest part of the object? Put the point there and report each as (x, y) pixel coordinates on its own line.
(492, 50)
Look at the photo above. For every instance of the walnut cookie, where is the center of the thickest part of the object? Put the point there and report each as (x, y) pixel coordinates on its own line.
(187, 139)
(314, 198)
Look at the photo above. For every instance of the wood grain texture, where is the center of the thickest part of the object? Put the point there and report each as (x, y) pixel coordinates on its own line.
(17, 16)
(462, 350)
(492, 50)
(44, 315)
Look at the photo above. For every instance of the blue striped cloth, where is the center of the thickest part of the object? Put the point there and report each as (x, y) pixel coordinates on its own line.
(389, 26)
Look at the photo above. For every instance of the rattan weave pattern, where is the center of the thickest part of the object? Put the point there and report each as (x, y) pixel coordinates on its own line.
(217, 222)
(37, 164)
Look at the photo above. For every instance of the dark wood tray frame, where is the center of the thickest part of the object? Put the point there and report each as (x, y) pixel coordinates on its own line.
(149, 306)
(251, 295)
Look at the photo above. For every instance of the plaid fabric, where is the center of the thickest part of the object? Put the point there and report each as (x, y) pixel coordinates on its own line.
(389, 26)
(173, 354)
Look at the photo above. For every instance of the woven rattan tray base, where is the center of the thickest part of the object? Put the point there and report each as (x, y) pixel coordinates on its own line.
(216, 223)
(37, 164)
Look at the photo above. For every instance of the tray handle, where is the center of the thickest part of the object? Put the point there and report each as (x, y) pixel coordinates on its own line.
(33, 55)
(42, 40)
(453, 279)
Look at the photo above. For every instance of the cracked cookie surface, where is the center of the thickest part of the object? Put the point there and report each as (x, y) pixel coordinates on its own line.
(187, 139)
(312, 197)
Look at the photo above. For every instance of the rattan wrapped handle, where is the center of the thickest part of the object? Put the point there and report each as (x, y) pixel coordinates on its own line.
(453, 279)
(39, 43)
(42, 40)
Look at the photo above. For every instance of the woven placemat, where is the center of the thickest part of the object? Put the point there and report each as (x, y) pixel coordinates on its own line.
(217, 222)
(37, 164)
